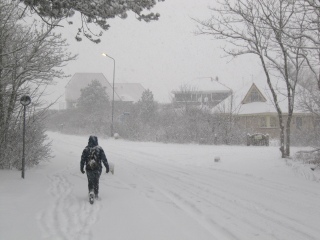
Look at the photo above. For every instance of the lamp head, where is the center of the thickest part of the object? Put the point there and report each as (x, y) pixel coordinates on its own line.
(106, 55)
(25, 100)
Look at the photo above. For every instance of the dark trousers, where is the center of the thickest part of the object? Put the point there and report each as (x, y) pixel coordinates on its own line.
(93, 180)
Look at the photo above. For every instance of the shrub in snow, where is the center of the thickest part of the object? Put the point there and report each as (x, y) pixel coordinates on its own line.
(37, 145)
(310, 157)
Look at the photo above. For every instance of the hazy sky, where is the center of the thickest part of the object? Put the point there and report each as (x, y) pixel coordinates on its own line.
(160, 55)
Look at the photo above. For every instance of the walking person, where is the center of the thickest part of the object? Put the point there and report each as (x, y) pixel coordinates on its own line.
(91, 157)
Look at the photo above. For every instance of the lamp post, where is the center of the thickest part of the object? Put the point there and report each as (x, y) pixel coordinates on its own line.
(25, 101)
(112, 106)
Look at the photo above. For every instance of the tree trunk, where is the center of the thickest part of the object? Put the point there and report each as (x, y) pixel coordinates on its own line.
(2, 92)
(288, 136)
(275, 99)
(282, 148)
(291, 97)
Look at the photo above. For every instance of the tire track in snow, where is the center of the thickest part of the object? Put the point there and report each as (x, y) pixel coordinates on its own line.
(217, 231)
(257, 217)
(209, 174)
(68, 218)
(213, 205)
(136, 184)
(253, 213)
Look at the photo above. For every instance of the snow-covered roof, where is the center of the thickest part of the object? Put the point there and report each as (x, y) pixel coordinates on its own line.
(82, 80)
(129, 92)
(266, 105)
(203, 85)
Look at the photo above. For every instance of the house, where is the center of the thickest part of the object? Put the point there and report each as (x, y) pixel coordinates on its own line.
(123, 92)
(129, 92)
(255, 111)
(201, 92)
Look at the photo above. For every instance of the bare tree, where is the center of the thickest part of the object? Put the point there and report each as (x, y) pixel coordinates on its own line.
(263, 28)
(29, 60)
(226, 121)
(309, 95)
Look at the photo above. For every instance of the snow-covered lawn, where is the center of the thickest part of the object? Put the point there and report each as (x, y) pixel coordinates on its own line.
(163, 191)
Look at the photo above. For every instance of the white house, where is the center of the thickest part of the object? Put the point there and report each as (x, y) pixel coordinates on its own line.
(254, 107)
(201, 92)
(123, 92)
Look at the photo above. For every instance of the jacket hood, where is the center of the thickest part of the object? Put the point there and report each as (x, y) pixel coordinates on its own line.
(93, 141)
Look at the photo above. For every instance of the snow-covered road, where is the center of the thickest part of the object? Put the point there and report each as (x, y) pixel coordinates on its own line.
(163, 191)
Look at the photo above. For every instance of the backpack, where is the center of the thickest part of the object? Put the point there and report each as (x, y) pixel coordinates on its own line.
(93, 158)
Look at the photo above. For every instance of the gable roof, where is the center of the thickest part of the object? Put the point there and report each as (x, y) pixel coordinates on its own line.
(203, 85)
(129, 92)
(248, 95)
(242, 107)
(82, 80)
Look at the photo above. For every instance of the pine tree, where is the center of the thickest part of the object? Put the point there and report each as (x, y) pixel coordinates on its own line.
(93, 98)
(147, 106)
(94, 108)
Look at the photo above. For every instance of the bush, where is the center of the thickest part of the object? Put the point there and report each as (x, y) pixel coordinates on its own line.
(37, 146)
(309, 157)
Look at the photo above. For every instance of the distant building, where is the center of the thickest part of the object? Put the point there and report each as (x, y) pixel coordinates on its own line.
(201, 92)
(254, 107)
(129, 92)
(123, 92)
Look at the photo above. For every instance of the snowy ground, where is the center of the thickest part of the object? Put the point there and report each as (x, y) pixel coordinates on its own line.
(163, 191)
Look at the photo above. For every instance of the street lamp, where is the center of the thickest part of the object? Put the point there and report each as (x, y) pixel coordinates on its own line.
(25, 101)
(112, 106)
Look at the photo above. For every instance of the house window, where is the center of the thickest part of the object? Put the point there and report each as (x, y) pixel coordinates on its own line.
(218, 96)
(207, 98)
(298, 122)
(183, 97)
(178, 97)
(273, 122)
(255, 96)
(263, 122)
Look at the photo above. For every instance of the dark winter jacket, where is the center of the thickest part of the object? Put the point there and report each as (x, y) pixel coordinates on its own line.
(93, 143)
